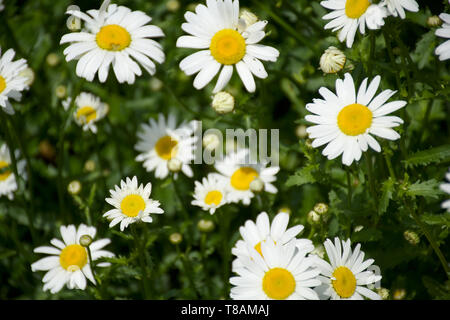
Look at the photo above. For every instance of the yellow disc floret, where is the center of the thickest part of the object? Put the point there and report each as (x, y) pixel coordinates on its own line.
(166, 147)
(132, 204)
(354, 119)
(356, 8)
(4, 173)
(228, 47)
(88, 113)
(278, 283)
(242, 178)
(345, 283)
(2, 84)
(113, 38)
(73, 257)
(213, 197)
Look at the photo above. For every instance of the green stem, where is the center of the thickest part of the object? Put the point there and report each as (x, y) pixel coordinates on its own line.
(349, 186)
(92, 265)
(140, 247)
(370, 175)
(389, 165)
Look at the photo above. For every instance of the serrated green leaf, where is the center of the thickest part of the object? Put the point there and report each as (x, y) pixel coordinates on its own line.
(302, 176)
(428, 189)
(437, 219)
(387, 192)
(426, 157)
(424, 49)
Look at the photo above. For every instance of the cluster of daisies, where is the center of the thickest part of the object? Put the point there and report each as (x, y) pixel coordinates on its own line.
(272, 263)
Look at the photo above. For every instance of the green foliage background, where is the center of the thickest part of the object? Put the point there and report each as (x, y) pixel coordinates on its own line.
(385, 201)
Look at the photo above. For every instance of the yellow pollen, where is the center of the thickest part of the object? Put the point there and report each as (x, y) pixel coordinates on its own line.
(228, 47)
(4, 173)
(354, 119)
(278, 283)
(213, 197)
(73, 257)
(356, 8)
(88, 113)
(345, 283)
(166, 148)
(2, 84)
(132, 204)
(242, 178)
(113, 38)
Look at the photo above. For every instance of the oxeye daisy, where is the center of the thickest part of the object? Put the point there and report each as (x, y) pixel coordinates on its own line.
(131, 203)
(114, 35)
(280, 272)
(163, 144)
(68, 262)
(226, 41)
(345, 121)
(240, 172)
(8, 183)
(443, 50)
(12, 82)
(446, 188)
(397, 7)
(254, 234)
(345, 276)
(89, 110)
(211, 193)
(349, 15)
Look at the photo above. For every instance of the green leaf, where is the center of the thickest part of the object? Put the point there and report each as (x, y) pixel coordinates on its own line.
(302, 176)
(426, 157)
(387, 191)
(424, 49)
(437, 219)
(367, 235)
(428, 189)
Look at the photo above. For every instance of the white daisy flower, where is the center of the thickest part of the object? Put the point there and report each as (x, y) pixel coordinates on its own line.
(240, 173)
(397, 7)
(345, 120)
(131, 203)
(211, 193)
(443, 50)
(225, 41)
(162, 142)
(446, 188)
(8, 183)
(254, 234)
(68, 262)
(349, 15)
(280, 272)
(117, 36)
(346, 275)
(89, 110)
(12, 82)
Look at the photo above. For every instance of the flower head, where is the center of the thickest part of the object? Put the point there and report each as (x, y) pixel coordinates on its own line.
(443, 50)
(8, 183)
(397, 7)
(211, 193)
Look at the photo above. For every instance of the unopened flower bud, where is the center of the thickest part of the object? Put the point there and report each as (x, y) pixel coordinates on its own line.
(434, 21)
(399, 294)
(46, 150)
(358, 228)
(156, 84)
(174, 165)
(321, 208)
(211, 141)
(257, 185)
(313, 217)
(384, 293)
(285, 209)
(53, 59)
(332, 60)
(85, 240)
(411, 237)
(223, 102)
(300, 132)
(61, 91)
(205, 225)
(172, 5)
(175, 238)
(89, 166)
(74, 187)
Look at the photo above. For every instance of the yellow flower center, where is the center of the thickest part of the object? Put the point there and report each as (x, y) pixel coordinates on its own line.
(113, 38)
(73, 257)
(228, 47)
(4, 173)
(242, 177)
(356, 8)
(2, 84)
(132, 204)
(278, 283)
(166, 148)
(354, 119)
(213, 197)
(88, 113)
(345, 283)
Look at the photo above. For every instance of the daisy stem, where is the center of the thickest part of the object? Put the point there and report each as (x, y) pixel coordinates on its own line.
(370, 175)
(140, 247)
(349, 186)
(62, 132)
(387, 157)
(92, 265)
